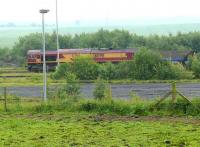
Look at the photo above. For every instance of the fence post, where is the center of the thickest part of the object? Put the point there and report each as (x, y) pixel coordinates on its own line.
(174, 92)
(5, 98)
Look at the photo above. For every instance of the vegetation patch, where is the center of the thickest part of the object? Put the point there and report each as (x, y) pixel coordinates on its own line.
(81, 130)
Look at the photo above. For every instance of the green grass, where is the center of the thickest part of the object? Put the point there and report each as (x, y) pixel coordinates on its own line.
(99, 123)
(109, 107)
(81, 130)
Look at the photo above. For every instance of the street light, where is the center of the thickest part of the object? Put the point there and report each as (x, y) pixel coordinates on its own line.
(57, 40)
(43, 11)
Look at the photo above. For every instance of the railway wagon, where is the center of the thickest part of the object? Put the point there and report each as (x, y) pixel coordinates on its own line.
(35, 57)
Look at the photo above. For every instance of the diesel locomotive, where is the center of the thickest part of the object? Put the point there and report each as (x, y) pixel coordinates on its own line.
(35, 57)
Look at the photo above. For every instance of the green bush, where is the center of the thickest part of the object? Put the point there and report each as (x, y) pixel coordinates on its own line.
(125, 70)
(196, 66)
(172, 71)
(141, 109)
(72, 86)
(61, 71)
(100, 91)
(85, 68)
(106, 107)
(107, 71)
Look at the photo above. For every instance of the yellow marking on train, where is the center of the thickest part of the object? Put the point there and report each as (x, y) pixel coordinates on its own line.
(67, 58)
(115, 55)
(86, 55)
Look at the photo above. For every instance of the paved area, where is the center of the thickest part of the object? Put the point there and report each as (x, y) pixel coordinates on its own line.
(122, 91)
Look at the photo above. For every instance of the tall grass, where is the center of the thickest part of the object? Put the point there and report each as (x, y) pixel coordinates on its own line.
(111, 107)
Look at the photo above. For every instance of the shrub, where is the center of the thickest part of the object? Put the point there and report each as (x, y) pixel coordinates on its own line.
(72, 86)
(107, 107)
(107, 71)
(61, 71)
(85, 68)
(100, 91)
(141, 109)
(167, 70)
(196, 66)
(61, 94)
(125, 70)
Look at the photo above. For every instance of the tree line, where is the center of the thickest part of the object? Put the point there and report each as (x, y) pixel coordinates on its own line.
(116, 39)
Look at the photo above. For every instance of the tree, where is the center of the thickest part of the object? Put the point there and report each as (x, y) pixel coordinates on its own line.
(120, 39)
(28, 42)
(146, 62)
(5, 56)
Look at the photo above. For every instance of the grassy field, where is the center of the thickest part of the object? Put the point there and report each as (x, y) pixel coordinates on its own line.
(75, 123)
(9, 35)
(84, 130)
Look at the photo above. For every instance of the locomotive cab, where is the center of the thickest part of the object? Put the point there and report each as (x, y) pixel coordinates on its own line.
(33, 59)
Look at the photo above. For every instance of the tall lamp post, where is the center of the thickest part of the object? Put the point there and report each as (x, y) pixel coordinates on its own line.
(43, 11)
(57, 39)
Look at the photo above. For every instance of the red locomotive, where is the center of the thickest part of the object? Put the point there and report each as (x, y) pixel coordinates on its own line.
(35, 57)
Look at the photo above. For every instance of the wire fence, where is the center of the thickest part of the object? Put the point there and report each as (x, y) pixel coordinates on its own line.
(119, 91)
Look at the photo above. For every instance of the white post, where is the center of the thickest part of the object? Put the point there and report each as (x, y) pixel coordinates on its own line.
(43, 11)
(57, 39)
(44, 62)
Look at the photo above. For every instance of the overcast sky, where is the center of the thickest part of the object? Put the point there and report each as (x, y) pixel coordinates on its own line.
(91, 10)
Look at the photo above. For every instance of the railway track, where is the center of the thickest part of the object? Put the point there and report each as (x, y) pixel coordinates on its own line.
(14, 76)
(14, 73)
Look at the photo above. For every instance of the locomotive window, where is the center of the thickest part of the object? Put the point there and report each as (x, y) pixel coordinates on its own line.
(33, 56)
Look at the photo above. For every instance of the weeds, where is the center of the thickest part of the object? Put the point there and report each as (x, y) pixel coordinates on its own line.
(106, 106)
(102, 90)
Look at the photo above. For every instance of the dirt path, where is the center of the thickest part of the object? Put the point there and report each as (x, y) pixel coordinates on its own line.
(166, 119)
(110, 118)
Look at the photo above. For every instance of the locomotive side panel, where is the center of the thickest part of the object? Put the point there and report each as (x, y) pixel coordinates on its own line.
(68, 57)
(112, 56)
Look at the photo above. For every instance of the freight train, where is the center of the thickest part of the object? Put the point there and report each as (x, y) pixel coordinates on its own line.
(35, 57)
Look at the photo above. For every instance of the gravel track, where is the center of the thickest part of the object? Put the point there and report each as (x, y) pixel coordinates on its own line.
(120, 91)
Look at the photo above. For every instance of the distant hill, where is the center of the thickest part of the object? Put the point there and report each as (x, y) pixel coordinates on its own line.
(9, 35)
